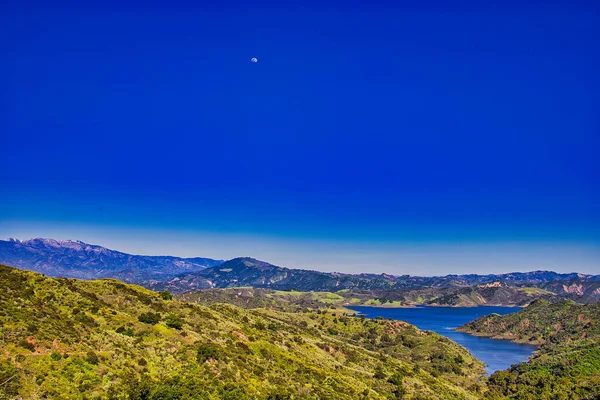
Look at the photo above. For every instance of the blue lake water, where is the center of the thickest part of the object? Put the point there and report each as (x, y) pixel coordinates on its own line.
(496, 354)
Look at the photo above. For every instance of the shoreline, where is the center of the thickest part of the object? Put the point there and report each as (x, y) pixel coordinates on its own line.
(457, 329)
(507, 338)
(420, 305)
(491, 366)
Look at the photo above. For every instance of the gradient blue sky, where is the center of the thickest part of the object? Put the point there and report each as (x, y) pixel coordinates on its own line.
(402, 137)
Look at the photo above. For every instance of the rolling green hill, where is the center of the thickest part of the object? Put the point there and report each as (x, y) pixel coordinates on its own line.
(567, 364)
(249, 297)
(71, 339)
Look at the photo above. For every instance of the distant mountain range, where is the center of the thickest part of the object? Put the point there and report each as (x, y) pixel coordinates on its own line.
(452, 290)
(260, 274)
(76, 259)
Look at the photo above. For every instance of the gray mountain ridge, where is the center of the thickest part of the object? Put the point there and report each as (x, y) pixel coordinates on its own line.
(245, 271)
(76, 259)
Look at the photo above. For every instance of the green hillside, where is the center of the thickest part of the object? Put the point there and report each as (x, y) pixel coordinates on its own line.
(293, 301)
(249, 297)
(71, 339)
(567, 365)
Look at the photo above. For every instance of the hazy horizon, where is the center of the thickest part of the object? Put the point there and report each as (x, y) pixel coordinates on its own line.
(408, 259)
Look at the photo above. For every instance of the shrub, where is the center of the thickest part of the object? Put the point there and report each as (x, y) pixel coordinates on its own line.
(379, 374)
(279, 394)
(396, 380)
(149, 318)
(92, 358)
(125, 331)
(207, 351)
(55, 356)
(174, 321)
(88, 321)
(25, 344)
(9, 383)
(166, 295)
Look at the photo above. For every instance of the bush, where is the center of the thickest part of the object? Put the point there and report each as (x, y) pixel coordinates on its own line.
(125, 331)
(149, 318)
(280, 394)
(88, 321)
(379, 374)
(166, 295)
(8, 380)
(25, 344)
(174, 321)
(207, 351)
(55, 356)
(92, 358)
(399, 390)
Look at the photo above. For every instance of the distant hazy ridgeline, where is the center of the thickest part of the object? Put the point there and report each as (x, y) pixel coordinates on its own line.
(76, 259)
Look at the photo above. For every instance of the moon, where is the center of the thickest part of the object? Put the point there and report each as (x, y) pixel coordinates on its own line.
(254, 59)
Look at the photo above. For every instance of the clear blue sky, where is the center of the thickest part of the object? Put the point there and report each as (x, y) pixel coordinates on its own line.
(405, 137)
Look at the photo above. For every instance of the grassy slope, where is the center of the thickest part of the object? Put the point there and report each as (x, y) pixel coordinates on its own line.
(70, 339)
(567, 365)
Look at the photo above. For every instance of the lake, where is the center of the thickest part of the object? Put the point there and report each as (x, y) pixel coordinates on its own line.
(496, 354)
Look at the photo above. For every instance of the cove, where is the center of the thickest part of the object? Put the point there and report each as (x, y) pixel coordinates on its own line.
(496, 354)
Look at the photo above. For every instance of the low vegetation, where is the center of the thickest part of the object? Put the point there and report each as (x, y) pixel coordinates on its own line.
(249, 297)
(71, 339)
(567, 364)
